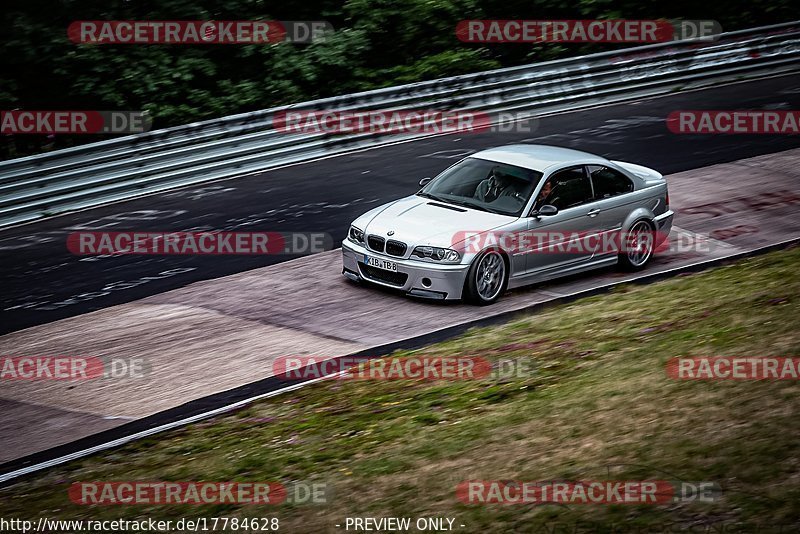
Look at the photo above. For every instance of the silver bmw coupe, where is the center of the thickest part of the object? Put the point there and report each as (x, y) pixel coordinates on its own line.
(508, 217)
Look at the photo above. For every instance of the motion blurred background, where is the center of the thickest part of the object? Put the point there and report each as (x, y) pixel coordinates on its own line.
(376, 43)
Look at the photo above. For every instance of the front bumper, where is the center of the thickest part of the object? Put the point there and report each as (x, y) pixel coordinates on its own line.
(417, 278)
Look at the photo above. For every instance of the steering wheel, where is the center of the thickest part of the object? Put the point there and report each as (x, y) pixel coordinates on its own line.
(493, 183)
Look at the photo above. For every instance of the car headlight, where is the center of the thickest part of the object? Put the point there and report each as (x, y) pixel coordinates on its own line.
(356, 235)
(444, 255)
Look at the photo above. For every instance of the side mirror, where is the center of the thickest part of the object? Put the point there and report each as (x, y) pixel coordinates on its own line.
(547, 210)
(424, 181)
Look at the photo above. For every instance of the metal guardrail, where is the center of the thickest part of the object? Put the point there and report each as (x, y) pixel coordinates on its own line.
(126, 167)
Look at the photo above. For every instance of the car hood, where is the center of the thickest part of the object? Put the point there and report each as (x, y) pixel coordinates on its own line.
(420, 221)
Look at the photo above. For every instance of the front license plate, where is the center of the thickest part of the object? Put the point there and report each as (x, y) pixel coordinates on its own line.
(381, 264)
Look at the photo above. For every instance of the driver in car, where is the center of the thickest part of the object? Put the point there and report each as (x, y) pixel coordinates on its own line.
(546, 195)
(495, 186)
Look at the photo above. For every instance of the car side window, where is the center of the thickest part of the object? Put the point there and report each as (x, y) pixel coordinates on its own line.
(566, 189)
(608, 183)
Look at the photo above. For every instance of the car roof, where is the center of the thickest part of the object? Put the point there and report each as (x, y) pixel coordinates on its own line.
(538, 157)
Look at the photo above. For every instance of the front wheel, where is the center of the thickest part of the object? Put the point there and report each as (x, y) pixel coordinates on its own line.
(487, 278)
(638, 245)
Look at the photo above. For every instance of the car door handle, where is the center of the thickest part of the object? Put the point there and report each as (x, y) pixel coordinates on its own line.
(593, 213)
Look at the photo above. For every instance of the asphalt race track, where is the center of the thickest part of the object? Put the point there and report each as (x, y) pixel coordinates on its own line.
(214, 342)
(212, 326)
(43, 282)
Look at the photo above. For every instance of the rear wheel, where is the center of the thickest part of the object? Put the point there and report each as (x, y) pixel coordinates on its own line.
(487, 278)
(638, 245)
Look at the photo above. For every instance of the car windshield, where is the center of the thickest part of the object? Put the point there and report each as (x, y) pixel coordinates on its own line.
(484, 185)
